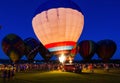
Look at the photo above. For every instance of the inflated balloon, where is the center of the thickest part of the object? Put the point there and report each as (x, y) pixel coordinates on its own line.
(58, 24)
(32, 46)
(106, 49)
(13, 46)
(87, 48)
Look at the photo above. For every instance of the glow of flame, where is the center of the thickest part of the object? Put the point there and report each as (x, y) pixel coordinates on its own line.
(70, 60)
(62, 58)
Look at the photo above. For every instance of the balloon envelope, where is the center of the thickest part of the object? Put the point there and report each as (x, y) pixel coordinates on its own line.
(13, 46)
(58, 24)
(87, 48)
(44, 52)
(106, 48)
(32, 46)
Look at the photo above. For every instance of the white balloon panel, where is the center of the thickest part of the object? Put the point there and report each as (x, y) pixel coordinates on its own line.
(58, 25)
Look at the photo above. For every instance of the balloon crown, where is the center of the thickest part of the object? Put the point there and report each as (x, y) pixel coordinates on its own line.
(57, 4)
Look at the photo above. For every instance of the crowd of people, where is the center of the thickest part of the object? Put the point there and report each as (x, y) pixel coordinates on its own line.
(8, 71)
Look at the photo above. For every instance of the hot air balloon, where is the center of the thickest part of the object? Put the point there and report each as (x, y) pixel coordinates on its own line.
(44, 52)
(58, 24)
(0, 27)
(32, 46)
(13, 46)
(106, 49)
(87, 48)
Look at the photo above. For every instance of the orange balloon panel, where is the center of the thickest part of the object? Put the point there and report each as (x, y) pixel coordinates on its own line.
(58, 27)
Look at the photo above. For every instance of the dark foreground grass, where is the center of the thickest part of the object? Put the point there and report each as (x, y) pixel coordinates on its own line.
(65, 77)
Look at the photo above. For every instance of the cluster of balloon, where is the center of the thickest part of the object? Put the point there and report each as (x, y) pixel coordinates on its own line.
(105, 49)
(32, 46)
(13, 46)
(44, 52)
(58, 24)
(87, 48)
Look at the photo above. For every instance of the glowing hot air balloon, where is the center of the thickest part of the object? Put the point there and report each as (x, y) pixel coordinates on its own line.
(58, 24)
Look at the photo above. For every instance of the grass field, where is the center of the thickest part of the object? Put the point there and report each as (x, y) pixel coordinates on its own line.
(66, 77)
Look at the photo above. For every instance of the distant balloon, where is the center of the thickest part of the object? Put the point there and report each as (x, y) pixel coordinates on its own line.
(13, 46)
(0, 27)
(58, 24)
(87, 49)
(106, 49)
(32, 46)
(44, 52)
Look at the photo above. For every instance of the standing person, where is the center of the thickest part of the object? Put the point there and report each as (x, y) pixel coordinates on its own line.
(107, 67)
(8, 72)
(91, 68)
(4, 73)
(80, 68)
(12, 71)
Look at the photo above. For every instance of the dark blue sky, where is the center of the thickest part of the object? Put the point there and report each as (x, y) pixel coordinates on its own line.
(102, 20)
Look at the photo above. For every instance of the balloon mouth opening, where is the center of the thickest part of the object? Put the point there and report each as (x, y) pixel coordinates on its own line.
(60, 46)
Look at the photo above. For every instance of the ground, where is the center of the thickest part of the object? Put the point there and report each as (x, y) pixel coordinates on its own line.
(99, 76)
